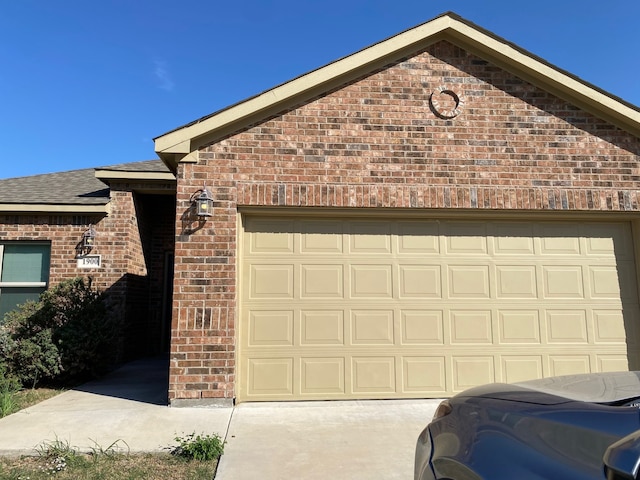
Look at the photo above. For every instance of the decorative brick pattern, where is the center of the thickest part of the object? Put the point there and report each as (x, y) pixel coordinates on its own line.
(376, 144)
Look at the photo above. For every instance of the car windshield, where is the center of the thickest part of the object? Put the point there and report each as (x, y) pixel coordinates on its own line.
(609, 388)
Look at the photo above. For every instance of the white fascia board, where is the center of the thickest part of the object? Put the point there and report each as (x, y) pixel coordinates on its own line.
(48, 208)
(123, 175)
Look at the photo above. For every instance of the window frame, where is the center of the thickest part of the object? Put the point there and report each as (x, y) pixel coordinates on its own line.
(11, 285)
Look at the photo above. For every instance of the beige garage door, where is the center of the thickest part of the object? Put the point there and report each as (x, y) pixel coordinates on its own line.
(380, 308)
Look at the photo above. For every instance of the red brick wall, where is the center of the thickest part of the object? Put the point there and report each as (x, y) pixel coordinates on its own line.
(377, 143)
(64, 232)
(129, 269)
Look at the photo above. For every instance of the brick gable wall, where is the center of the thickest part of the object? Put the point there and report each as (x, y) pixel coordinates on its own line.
(378, 143)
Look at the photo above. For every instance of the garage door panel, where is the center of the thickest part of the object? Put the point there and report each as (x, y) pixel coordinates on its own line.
(420, 281)
(371, 281)
(321, 327)
(569, 364)
(418, 238)
(625, 283)
(567, 326)
(271, 281)
(470, 371)
(519, 326)
(612, 363)
(471, 327)
(321, 237)
(322, 281)
(270, 377)
(271, 237)
(468, 281)
(513, 239)
(563, 281)
(609, 240)
(609, 326)
(422, 327)
(372, 327)
(387, 308)
(270, 328)
(516, 281)
(369, 238)
(520, 368)
(558, 239)
(603, 282)
(373, 375)
(424, 374)
(466, 238)
(322, 376)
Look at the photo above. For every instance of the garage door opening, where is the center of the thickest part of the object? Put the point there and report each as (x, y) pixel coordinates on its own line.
(372, 308)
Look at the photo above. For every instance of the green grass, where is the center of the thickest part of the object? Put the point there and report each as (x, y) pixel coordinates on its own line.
(12, 401)
(8, 404)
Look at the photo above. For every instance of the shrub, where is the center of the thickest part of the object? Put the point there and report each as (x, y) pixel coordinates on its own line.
(199, 447)
(9, 386)
(8, 382)
(29, 349)
(67, 336)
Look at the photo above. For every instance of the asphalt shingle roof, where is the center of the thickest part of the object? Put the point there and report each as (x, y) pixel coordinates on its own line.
(75, 187)
(144, 166)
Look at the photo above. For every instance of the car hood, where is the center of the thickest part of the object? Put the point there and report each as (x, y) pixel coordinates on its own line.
(608, 387)
(605, 388)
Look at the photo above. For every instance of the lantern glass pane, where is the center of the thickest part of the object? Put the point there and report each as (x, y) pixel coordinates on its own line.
(204, 208)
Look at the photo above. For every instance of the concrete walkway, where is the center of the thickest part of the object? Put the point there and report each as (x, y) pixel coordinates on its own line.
(280, 440)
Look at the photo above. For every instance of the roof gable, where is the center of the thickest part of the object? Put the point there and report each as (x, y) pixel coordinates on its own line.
(181, 145)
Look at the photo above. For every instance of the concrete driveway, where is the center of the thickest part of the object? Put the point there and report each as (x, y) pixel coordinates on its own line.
(339, 440)
(349, 440)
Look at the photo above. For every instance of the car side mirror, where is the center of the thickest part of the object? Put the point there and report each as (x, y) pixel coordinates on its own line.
(622, 458)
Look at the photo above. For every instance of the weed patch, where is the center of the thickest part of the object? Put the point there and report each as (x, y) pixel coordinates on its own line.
(60, 460)
(199, 447)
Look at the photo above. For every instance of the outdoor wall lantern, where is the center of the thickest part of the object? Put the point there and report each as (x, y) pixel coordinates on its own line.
(203, 201)
(88, 239)
(87, 242)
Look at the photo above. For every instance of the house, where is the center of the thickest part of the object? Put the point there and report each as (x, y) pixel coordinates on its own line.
(440, 210)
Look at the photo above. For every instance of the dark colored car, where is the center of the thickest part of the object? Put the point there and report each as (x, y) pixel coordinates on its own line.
(566, 428)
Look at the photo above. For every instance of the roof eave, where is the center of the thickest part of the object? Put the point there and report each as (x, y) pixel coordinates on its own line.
(34, 208)
(106, 175)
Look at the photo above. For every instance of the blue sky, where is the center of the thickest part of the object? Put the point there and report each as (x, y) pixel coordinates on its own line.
(90, 83)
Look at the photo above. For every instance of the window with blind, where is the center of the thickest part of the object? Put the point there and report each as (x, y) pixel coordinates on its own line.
(24, 273)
